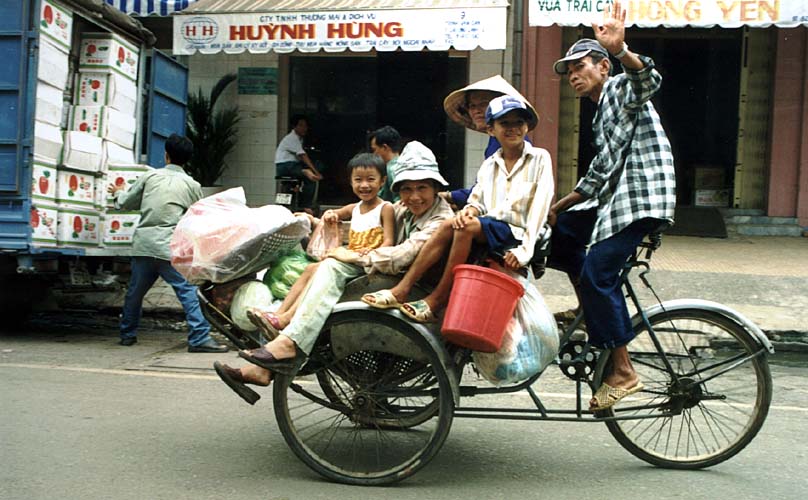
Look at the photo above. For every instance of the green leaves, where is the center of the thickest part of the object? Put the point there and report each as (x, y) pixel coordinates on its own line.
(212, 131)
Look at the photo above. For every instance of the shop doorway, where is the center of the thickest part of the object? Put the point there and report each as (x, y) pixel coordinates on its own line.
(346, 97)
(698, 104)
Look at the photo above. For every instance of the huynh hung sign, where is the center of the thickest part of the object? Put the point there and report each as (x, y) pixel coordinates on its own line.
(674, 13)
(336, 31)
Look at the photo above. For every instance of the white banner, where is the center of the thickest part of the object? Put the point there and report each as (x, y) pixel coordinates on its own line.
(335, 31)
(674, 13)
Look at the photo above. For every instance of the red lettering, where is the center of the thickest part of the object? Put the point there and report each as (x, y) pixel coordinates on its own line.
(306, 31)
(393, 30)
(207, 30)
(290, 31)
(237, 32)
(336, 30)
(190, 31)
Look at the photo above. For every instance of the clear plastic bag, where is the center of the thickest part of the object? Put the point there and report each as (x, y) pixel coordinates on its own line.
(530, 343)
(251, 294)
(220, 238)
(324, 238)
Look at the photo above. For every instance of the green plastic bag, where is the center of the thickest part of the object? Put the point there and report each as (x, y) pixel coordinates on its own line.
(284, 272)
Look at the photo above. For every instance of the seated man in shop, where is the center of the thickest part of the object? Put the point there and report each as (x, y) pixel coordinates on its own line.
(291, 160)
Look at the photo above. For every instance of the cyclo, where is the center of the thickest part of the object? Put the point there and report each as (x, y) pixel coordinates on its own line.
(377, 396)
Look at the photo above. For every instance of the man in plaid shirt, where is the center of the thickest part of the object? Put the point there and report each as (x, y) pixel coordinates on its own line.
(628, 191)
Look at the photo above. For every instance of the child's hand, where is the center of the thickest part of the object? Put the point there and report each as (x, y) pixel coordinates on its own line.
(462, 219)
(511, 262)
(330, 217)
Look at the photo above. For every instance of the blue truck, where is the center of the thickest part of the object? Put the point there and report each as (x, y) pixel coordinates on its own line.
(37, 38)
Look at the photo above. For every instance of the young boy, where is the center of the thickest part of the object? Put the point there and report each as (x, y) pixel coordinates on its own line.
(372, 226)
(506, 210)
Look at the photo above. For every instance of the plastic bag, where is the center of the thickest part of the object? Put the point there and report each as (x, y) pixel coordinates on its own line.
(530, 343)
(284, 272)
(220, 238)
(324, 237)
(250, 294)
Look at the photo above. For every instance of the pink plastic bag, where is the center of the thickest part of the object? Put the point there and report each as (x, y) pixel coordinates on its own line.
(324, 238)
(220, 238)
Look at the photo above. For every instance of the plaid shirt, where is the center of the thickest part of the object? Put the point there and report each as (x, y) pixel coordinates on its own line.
(646, 187)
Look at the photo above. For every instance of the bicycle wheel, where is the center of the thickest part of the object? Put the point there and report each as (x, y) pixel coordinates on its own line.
(374, 412)
(717, 407)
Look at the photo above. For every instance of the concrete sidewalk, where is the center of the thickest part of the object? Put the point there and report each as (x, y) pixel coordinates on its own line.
(764, 278)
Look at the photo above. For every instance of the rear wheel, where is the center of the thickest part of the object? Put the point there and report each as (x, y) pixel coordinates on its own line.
(719, 403)
(377, 406)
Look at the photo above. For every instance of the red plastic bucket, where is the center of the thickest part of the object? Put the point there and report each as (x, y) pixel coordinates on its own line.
(480, 306)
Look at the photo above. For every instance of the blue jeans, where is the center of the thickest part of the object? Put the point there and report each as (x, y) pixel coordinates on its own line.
(607, 320)
(145, 271)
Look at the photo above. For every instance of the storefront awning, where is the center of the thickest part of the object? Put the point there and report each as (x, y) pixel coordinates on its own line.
(150, 7)
(233, 26)
(674, 13)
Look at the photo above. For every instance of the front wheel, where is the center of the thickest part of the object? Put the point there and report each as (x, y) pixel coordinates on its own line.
(717, 406)
(374, 404)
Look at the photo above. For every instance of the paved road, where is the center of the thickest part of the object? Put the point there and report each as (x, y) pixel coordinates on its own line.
(83, 418)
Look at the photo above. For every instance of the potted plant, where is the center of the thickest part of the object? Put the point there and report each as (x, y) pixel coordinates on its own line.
(212, 131)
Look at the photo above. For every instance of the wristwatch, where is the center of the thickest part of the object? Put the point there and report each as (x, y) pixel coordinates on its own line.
(622, 52)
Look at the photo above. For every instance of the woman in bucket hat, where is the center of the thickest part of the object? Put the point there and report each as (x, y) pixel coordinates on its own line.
(418, 215)
(467, 107)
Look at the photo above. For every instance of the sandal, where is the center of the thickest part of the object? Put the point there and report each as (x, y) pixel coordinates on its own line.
(234, 380)
(418, 311)
(608, 396)
(263, 358)
(268, 323)
(383, 299)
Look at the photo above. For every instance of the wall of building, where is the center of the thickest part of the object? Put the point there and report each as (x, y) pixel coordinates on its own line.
(788, 169)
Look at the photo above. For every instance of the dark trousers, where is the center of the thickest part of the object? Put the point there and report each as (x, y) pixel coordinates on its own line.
(598, 272)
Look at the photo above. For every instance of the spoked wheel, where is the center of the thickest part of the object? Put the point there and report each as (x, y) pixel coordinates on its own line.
(719, 403)
(377, 407)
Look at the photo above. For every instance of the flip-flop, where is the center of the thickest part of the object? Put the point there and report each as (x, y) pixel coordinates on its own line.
(418, 311)
(267, 322)
(263, 358)
(608, 396)
(383, 299)
(234, 380)
(566, 316)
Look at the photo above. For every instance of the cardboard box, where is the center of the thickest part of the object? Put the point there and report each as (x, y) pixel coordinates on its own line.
(106, 89)
(82, 151)
(43, 184)
(77, 227)
(43, 224)
(712, 198)
(117, 155)
(54, 65)
(119, 228)
(100, 196)
(74, 188)
(709, 177)
(56, 23)
(49, 104)
(48, 141)
(108, 53)
(106, 123)
(124, 175)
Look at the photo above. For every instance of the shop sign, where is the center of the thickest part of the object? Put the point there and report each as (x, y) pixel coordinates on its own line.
(336, 31)
(258, 81)
(674, 13)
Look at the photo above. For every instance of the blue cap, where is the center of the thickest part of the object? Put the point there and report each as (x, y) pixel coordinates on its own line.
(579, 49)
(502, 105)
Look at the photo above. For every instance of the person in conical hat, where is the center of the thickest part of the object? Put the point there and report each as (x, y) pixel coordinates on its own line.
(467, 107)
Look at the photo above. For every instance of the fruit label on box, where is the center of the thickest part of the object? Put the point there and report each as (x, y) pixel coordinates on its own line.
(119, 228)
(77, 227)
(106, 89)
(75, 188)
(122, 176)
(89, 119)
(56, 23)
(43, 224)
(43, 186)
(108, 53)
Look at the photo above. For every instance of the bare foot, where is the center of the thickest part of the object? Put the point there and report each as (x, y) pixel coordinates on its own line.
(256, 375)
(622, 380)
(282, 347)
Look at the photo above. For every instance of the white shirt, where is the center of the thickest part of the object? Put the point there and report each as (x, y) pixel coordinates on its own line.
(521, 198)
(289, 148)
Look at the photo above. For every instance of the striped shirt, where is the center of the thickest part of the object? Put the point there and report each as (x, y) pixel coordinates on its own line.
(646, 187)
(521, 198)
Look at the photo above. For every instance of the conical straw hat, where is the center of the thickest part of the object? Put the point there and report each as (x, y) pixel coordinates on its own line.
(455, 103)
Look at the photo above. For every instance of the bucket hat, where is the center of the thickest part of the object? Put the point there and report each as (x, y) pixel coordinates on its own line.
(455, 103)
(416, 163)
(579, 49)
